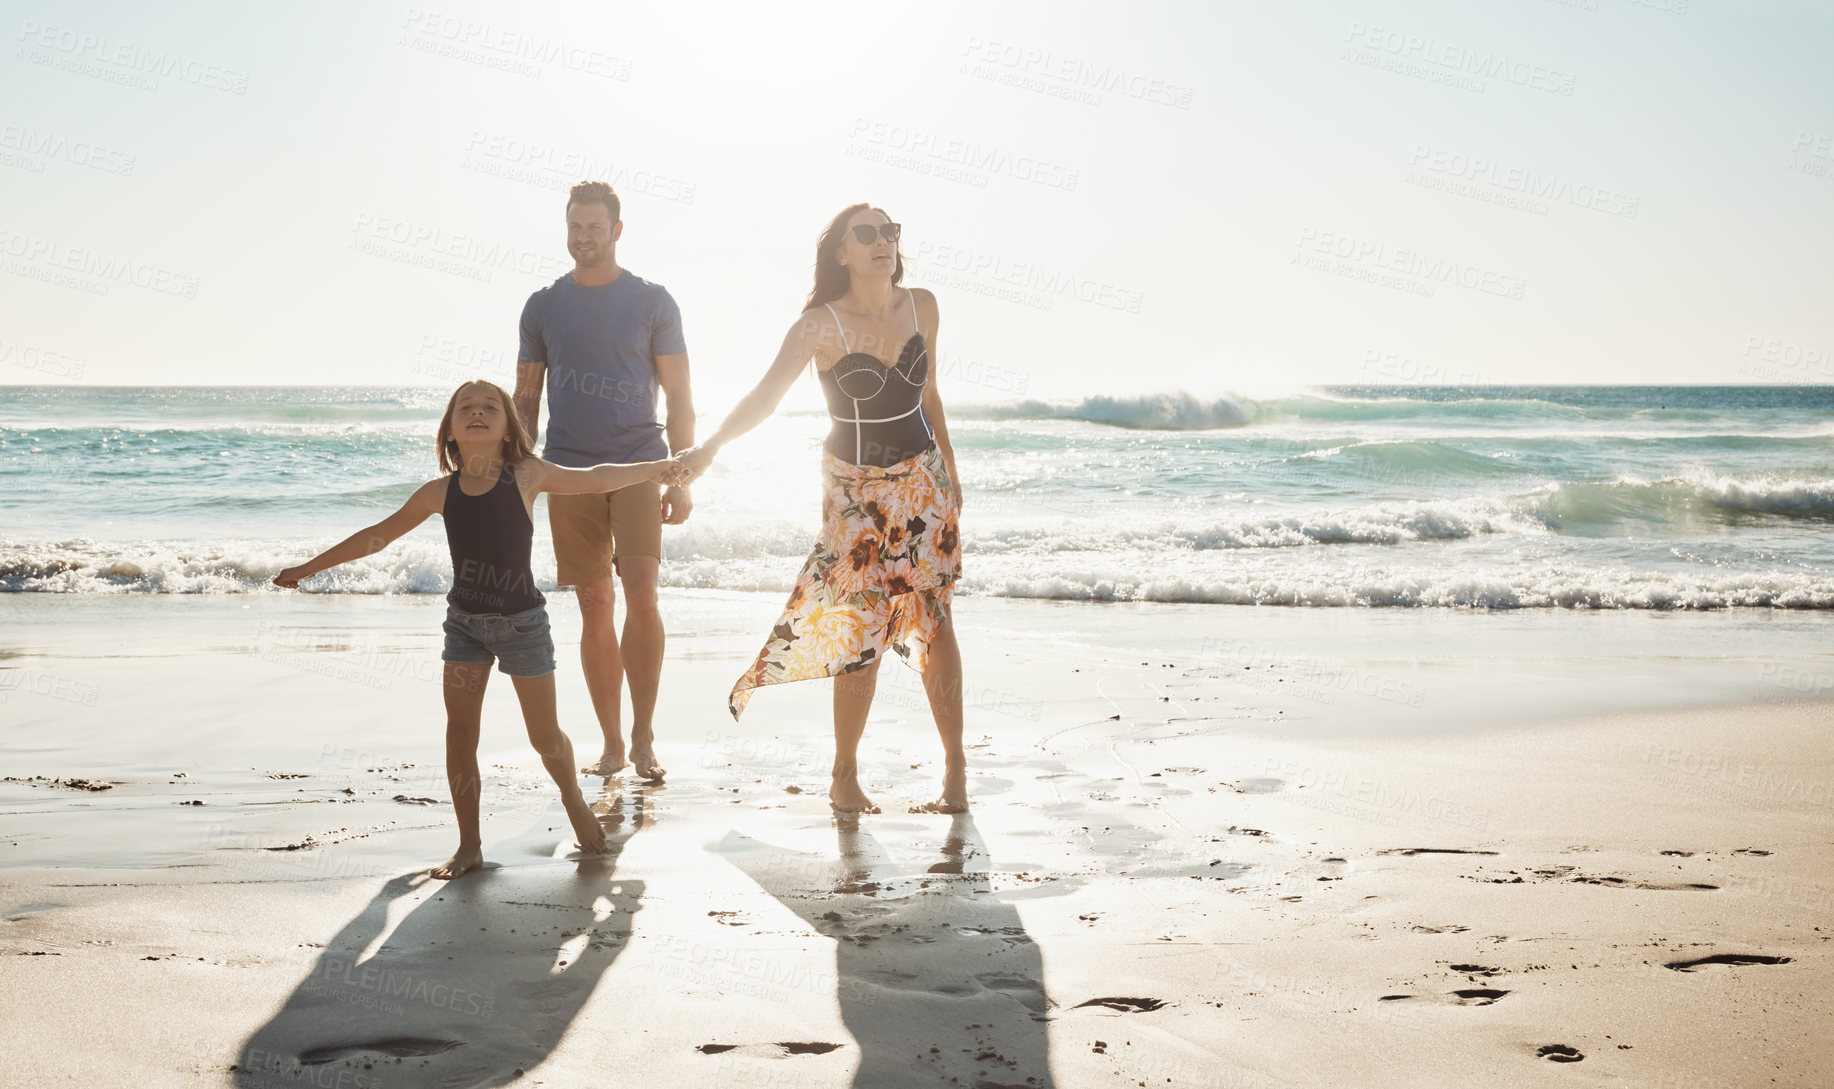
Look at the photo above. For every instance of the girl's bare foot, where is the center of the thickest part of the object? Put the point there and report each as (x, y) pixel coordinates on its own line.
(954, 797)
(585, 825)
(610, 762)
(847, 797)
(463, 862)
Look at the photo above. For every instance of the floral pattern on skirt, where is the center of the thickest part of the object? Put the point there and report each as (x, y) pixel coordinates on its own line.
(881, 573)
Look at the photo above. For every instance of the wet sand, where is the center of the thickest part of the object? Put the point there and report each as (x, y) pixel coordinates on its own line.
(1211, 846)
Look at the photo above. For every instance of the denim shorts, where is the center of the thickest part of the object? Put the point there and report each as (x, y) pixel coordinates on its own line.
(518, 642)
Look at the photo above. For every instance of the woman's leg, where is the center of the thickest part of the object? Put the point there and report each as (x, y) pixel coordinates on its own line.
(537, 697)
(464, 685)
(942, 681)
(852, 700)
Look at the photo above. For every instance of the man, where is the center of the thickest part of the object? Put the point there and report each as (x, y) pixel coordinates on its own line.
(603, 340)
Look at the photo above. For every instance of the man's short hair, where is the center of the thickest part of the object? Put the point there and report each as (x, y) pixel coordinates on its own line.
(594, 193)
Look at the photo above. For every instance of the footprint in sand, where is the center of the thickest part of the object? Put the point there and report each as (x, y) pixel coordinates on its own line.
(1724, 958)
(1449, 928)
(1468, 996)
(1559, 1053)
(400, 1047)
(1678, 854)
(1620, 883)
(769, 1051)
(1124, 1005)
(1752, 851)
(1411, 851)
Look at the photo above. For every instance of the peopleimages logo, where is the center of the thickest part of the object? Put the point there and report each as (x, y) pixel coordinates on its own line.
(49, 44)
(1521, 181)
(923, 145)
(1457, 59)
(1409, 262)
(47, 145)
(96, 269)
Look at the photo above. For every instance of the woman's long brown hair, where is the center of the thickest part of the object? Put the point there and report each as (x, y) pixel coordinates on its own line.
(831, 277)
(517, 443)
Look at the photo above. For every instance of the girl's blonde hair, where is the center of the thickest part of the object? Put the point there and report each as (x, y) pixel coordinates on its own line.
(518, 444)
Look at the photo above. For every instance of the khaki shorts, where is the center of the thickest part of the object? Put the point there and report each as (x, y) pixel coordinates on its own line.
(592, 530)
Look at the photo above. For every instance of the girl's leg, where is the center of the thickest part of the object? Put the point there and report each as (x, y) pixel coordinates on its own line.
(464, 683)
(537, 697)
(852, 700)
(942, 680)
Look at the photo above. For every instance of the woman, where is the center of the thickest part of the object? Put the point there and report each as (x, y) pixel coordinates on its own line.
(882, 572)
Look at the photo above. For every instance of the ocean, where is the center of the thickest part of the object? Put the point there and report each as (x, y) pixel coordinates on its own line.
(1492, 497)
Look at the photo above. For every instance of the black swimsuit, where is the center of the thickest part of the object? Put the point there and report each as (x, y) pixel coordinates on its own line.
(878, 410)
(489, 536)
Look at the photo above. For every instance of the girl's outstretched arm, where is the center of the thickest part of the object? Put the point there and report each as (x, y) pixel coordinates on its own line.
(608, 477)
(427, 500)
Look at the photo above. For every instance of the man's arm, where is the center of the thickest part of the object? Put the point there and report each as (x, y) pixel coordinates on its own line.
(672, 376)
(529, 379)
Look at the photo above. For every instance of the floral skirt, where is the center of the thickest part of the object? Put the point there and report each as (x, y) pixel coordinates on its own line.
(881, 574)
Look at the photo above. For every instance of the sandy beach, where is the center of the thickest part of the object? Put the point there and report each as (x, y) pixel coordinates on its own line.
(1455, 849)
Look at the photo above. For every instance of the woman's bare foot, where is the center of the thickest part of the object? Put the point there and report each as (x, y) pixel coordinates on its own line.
(585, 825)
(847, 797)
(643, 762)
(465, 860)
(610, 762)
(954, 797)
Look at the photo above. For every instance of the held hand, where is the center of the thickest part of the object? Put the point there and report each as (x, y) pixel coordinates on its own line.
(669, 473)
(290, 578)
(695, 460)
(675, 505)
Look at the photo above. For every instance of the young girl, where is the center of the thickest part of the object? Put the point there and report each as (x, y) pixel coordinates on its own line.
(494, 612)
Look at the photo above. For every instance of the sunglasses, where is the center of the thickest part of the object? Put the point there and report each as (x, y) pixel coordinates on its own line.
(866, 232)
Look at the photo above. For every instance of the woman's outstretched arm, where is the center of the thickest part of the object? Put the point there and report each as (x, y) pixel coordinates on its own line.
(426, 501)
(799, 344)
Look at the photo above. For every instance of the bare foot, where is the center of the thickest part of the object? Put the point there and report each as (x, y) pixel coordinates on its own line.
(847, 797)
(954, 797)
(585, 825)
(643, 762)
(463, 862)
(610, 762)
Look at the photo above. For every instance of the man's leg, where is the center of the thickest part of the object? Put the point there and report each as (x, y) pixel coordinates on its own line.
(582, 553)
(642, 650)
(636, 530)
(601, 659)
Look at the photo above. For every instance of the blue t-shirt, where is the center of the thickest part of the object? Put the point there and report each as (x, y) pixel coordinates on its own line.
(600, 345)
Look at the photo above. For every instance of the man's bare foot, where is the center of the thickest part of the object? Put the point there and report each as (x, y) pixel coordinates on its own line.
(461, 863)
(610, 762)
(954, 797)
(643, 762)
(847, 797)
(585, 825)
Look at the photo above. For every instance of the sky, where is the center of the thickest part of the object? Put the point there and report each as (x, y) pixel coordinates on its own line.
(1108, 200)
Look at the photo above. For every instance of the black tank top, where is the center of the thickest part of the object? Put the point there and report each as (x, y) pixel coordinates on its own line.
(877, 411)
(489, 536)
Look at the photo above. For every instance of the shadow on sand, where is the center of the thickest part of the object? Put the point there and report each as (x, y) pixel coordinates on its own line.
(937, 979)
(473, 987)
